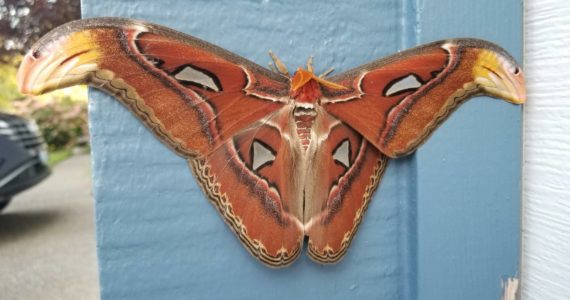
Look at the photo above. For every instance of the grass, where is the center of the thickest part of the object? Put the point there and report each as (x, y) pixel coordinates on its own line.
(58, 156)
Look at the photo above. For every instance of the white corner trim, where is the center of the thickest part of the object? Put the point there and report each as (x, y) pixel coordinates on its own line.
(546, 184)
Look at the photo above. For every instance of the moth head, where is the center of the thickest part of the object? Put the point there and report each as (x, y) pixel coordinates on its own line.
(303, 77)
(499, 76)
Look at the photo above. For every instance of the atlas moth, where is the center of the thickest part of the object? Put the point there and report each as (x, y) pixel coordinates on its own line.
(284, 159)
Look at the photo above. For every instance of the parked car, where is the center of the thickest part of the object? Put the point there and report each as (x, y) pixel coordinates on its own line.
(23, 156)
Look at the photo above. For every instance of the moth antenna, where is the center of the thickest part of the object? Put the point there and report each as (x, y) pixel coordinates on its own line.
(310, 64)
(326, 73)
(279, 64)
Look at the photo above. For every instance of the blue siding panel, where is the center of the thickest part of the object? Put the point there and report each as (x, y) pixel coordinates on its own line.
(158, 237)
(469, 172)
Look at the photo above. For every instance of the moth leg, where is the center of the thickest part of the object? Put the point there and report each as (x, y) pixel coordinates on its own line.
(326, 73)
(279, 65)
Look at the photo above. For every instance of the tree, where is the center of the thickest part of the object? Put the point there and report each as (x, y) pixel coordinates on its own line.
(23, 22)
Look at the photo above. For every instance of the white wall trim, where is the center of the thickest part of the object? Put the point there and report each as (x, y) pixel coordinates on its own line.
(546, 183)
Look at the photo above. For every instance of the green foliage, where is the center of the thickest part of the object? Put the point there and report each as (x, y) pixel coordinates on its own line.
(23, 22)
(58, 156)
(61, 115)
(8, 86)
(62, 122)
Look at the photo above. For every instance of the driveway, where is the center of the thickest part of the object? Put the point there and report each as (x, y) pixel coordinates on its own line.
(47, 238)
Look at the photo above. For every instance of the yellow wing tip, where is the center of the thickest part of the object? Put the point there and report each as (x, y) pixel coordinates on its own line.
(60, 63)
(500, 77)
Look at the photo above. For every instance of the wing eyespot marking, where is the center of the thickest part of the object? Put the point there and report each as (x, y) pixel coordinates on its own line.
(261, 155)
(190, 75)
(408, 83)
(341, 154)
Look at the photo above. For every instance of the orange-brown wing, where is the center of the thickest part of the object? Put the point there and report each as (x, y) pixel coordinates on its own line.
(191, 94)
(397, 102)
(221, 112)
(341, 179)
(251, 179)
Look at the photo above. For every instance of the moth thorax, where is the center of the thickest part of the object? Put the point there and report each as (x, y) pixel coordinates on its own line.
(310, 92)
(304, 119)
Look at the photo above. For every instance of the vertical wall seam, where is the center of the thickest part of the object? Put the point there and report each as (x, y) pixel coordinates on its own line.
(414, 169)
(411, 29)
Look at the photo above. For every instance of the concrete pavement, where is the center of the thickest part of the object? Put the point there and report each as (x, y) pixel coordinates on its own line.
(47, 238)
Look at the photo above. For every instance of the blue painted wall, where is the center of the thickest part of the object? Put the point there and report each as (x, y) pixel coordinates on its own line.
(469, 174)
(443, 223)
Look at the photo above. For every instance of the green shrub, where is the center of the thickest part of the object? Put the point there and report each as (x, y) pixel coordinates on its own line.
(63, 122)
(8, 86)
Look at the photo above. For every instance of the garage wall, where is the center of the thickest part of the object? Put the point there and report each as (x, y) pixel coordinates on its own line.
(159, 237)
(444, 223)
